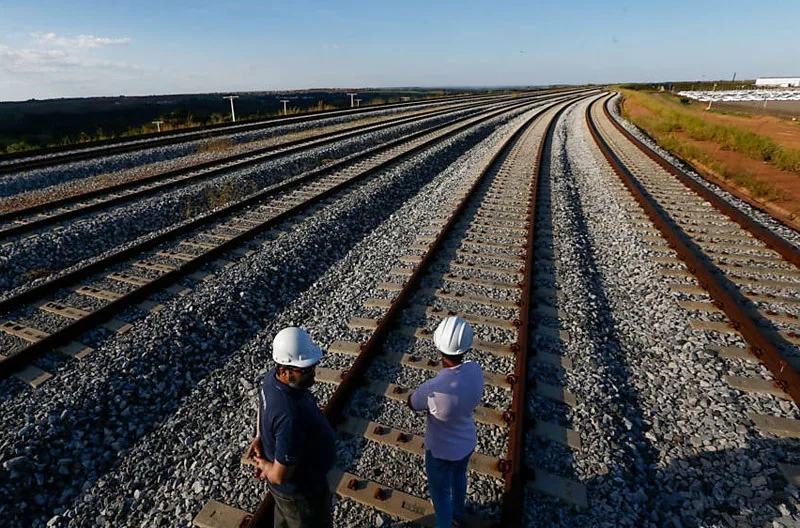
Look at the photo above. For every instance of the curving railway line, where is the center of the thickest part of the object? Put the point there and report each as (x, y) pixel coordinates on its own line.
(737, 276)
(147, 267)
(47, 213)
(638, 330)
(22, 161)
(480, 243)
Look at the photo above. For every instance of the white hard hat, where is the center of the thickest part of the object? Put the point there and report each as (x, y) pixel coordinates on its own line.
(293, 347)
(453, 336)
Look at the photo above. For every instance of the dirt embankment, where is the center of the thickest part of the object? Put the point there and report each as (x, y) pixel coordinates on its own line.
(785, 203)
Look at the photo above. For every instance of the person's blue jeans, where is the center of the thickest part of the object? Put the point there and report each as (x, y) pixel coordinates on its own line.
(447, 484)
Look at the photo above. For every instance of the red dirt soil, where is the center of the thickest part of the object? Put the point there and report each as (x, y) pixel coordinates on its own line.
(783, 132)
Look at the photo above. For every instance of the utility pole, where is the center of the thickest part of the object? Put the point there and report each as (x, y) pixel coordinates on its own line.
(358, 103)
(284, 101)
(711, 99)
(351, 98)
(158, 125)
(231, 98)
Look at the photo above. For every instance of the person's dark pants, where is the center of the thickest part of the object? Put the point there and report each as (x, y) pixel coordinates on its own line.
(447, 484)
(303, 511)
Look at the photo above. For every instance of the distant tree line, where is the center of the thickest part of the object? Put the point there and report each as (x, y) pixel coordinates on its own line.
(680, 86)
(35, 124)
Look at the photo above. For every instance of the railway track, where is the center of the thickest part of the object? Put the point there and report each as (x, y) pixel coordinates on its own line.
(631, 398)
(23, 161)
(736, 277)
(43, 215)
(75, 233)
(477, 261)
(92, 294)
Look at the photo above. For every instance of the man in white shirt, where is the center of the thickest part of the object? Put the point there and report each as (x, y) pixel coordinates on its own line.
(450, 399)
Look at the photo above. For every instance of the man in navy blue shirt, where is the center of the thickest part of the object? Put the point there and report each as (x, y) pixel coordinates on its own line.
(294, 449)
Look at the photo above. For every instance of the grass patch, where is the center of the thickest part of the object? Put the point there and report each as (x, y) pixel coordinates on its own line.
(217, 145)
(668, 116)
(218, 196)
(664, 123)
(759, 189)
(685, 150)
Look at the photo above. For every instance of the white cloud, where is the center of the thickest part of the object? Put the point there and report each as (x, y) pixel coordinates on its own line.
(79, 42)
(52, 61)
(50, 65)
(34, 61)
(50, 53)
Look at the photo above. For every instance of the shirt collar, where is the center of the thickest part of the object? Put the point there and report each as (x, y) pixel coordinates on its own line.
(454, 368)
(281, 386)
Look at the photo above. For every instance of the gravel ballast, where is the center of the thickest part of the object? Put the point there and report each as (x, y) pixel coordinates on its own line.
(134, 417)
(85, 238)
(666, 442)
(151, 426)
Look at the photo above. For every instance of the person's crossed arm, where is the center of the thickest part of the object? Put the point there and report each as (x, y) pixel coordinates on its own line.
(418, 400)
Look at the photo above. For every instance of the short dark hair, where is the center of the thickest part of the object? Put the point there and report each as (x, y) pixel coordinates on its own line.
(457, 359)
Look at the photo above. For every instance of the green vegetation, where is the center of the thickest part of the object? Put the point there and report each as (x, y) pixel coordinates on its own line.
(668, 118)
(689, 85)
(218, 196)
(19, 146)
(214, 145)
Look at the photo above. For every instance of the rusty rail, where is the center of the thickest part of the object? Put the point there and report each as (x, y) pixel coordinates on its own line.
(370, 349)
(768, 352)
(209, 170)
(513, 493)
(773, 241)
(108, 147)
(74, 329)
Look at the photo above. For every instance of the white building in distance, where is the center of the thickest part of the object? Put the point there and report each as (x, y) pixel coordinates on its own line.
(783, 82)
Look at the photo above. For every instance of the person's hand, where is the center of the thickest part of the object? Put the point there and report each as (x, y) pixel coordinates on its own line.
(262, 465)
(255, 449)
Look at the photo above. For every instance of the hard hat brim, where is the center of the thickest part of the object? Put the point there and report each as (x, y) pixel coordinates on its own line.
(307, 361)
(454, 353)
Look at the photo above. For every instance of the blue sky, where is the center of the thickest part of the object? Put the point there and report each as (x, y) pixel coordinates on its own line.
(119, 47)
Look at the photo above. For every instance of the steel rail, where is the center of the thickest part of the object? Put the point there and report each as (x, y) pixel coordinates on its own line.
(761, 346)
(517, 475)
(211, 168)
(71, 153)
(372, 348)
(58, 282)
(74, 329)
(772, 240)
